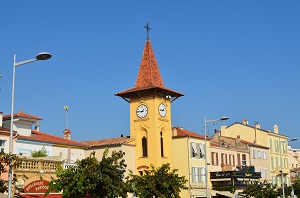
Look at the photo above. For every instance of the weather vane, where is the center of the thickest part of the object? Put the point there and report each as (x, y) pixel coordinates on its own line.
(66, 108)
(148, 29)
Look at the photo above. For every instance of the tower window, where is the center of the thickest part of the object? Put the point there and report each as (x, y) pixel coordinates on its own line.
(144, 146)
(161, 145)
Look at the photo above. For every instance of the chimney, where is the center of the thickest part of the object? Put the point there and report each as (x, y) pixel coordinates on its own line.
(67, 134)
(1, 119)
(257, 125)
(217, 132)
(237, 140)
(275, 129)
(245, 122)
(223, 131)
(37, 126)
(174, 131)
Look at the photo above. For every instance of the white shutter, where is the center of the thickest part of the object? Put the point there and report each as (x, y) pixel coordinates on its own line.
(194, 150)
(202, 151)
(194, 175)
(254, 154)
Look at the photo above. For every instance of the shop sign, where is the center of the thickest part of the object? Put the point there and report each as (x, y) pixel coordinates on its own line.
(38, 186)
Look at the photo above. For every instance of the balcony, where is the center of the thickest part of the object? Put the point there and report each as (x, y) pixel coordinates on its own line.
(47, 164)
(285, 171)
(198, 185)
(226, 167)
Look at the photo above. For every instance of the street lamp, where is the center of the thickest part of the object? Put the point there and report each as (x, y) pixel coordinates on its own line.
(40, 56)
(206, 171)
(282, 182)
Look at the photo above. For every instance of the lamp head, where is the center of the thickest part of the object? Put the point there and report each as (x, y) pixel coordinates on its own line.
(224, 118)
(294, 139)
(43, 56)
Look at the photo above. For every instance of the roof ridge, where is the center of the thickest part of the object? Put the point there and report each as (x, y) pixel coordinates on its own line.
(23, 114)
(107, 139)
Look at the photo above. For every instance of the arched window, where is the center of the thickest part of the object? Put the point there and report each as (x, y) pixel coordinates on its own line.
(161, 144)
(144, 147)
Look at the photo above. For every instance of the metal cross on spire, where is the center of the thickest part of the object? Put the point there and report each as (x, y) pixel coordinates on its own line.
(147, 28)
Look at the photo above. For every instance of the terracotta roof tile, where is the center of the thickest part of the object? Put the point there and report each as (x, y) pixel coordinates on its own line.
(23, 115)
(185, 133)
(43, 137)
(247, 142)
(149, 74)
(110, 141)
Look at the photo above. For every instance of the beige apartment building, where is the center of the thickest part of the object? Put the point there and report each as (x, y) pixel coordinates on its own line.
(277, 144)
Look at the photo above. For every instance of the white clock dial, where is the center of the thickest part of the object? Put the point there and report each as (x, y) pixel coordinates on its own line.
(162, 110)
(142, 111)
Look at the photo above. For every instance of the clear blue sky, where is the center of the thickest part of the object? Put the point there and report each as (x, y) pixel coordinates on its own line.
(235, 58)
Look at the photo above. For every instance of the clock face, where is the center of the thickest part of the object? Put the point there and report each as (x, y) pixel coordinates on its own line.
(142, 111)
(162, 110)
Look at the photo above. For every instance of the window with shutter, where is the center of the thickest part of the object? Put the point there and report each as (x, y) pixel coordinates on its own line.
(201, 151)
(193, 150)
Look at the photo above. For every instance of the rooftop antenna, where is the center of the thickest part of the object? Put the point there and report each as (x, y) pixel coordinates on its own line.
(66, 108)
(147, 29)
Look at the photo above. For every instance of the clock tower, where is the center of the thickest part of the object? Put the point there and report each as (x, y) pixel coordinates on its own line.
(150, 113)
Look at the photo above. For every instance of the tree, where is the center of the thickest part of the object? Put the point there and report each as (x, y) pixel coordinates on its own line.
(39, 153)
(6, 159)
(161, 182)
(98, 179)
(261, 190)
(296, 187)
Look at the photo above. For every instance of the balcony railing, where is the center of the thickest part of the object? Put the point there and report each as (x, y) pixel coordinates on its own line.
(38, 164)
(227, 167)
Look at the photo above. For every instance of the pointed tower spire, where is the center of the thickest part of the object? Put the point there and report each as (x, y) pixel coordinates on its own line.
(149, 79)
(149, 74)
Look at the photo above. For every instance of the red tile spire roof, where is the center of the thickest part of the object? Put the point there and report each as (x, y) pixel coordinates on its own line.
(149, 77)
(149, 74)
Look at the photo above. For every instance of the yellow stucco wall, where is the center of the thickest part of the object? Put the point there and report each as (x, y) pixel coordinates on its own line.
(183, 161)
(151, 127)
(129, 156)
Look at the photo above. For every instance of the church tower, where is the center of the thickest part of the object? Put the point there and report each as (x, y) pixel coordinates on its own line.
(150, 112)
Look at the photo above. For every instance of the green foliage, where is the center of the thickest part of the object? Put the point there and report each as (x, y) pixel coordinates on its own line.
(98, 179)
(6, 159)
(39, 153)
(296, 186)
(262, 190)
(161, 182)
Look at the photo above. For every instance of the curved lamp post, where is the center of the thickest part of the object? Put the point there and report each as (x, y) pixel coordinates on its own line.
(40, 56)
(206, 163)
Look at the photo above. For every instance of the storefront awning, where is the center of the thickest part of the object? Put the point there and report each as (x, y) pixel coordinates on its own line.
(246, 179)
(221, 179)
(38, 195)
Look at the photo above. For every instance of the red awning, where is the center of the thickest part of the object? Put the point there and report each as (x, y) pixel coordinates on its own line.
(38, 195)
